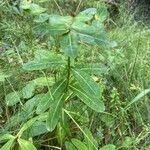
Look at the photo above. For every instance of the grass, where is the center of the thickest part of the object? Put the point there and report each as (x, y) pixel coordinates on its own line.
(128, 76)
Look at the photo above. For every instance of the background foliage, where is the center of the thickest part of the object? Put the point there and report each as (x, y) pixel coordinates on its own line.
(65, 83)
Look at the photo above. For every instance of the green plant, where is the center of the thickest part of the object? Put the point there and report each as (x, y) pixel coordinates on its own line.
(67, 84)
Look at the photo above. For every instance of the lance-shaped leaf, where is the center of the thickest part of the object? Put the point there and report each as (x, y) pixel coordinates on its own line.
(108, 147)
(3, 76)
(70, 146)
(41, 18)
(92, 102)
(8, 145)
(43, 60)
(102, 13)
(33, 8)
(93, 68)
(92, 34)
(55, 113)
(27, 125)
(86, 15)
(87, 83)
(12, 98)
(69, 44)
(46, 101)
(6, 137)
(25, 145)
(79, 145)
(57, 25)
(89, 140)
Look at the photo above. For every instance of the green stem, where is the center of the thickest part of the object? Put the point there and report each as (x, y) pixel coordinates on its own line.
(68, 72)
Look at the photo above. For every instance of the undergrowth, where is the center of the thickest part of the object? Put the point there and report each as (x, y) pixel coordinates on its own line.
(71, 77)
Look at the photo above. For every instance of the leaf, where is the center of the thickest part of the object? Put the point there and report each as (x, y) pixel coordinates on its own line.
(138, 97)
(8, 145)
(92, 102)
(36, 129)
(92, 34)
(108, 147)
(96, 68)
(36, 9)
(54, 113)
(70, 146)
(47, 29)
(85, 15)
(89, 11)
(57, 20)
(12, 98)
(28, 91)
(26, 145)
(32, 103)
(102, 13)
(89, 140)
(46, 101)
(69, 44)
(41, 18)
(43, 60)
(33, 8)
(79, 145)
(3, 76)
(6, 137)
(24, 4)
(43, 81)
(57, 25)
(27, 125)
(86, 83)
(79, 112)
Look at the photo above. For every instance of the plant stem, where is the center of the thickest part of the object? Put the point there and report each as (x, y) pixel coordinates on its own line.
(68, 72)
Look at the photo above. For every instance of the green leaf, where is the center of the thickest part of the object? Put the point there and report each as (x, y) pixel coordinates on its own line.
(57, 20)
(36, 9)
(12, 98)
(69, 44)
(102, 13)
(79, 145)
(43, 60)
(92, 34)
(93, 68)
(3, 76)
(138, 97)
(92, 102)
(28, 91)
(89, 11)
(56, 107)
(54, 113)
(46, 101)
(108, 147)
(26, 145)
(36, 129)
(70, 146)
(43, 81)
(27, 125)
(8, 145)
(47, 29)
(41, 18)
(85, 15)
(33, 103)
(89, 140)
(86, 83)
(24, 4)
(57, 25)
(33, 8)
(6, 137)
